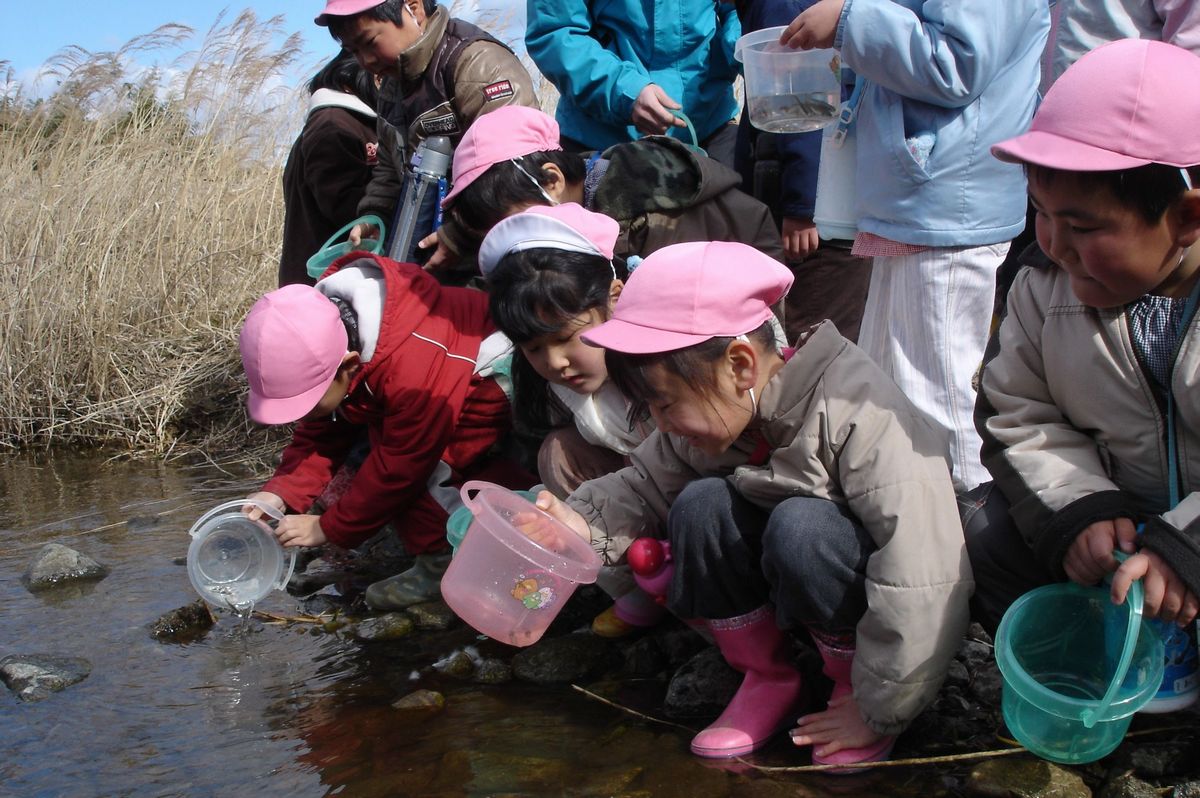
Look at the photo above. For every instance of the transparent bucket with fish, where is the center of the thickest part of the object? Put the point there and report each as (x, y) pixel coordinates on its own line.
(788, 91)
(234, 561)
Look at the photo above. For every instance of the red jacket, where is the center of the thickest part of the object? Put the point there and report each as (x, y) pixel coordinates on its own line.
(410, 396)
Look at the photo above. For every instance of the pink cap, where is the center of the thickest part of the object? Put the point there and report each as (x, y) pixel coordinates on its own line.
(510, 131)
(685, 294)
(569, 227)
(292, 343)
(1127, 103)
(344, 8)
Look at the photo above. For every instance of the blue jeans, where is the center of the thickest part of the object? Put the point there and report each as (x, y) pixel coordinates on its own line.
(807, 556)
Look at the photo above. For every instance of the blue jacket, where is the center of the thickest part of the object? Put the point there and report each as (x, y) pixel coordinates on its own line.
(600, 54)
(962, 73)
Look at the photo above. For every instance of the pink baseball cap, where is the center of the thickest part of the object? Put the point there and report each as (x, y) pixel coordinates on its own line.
(1127, 103)
(292, 343)
(510, 131)
(568, 226)
(685, 294)
(344, 8)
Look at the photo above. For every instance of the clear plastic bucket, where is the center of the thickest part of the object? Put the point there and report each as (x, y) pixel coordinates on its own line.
(500, 581)
(788, 91)
(1076, 668)
(234, 562)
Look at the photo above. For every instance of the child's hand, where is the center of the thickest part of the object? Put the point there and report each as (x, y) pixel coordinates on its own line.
(559, 511)
(300, 530)
(840, 726)
(442, 257)
(815, 27)
(1090, 556)
(264, 497)
(1167, 597)
(800, 238)
(360, 231)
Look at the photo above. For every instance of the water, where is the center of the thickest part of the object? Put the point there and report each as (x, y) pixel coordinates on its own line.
(793, 113)
(263, 709)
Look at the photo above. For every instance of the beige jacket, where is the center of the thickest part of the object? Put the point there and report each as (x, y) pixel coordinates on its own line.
(839, 430)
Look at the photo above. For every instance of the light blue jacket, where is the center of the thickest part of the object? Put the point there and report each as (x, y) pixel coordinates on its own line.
(600, 54)
(962, 72)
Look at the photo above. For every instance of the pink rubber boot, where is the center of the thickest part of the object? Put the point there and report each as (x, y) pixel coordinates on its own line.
(770, 694)
(838, 664)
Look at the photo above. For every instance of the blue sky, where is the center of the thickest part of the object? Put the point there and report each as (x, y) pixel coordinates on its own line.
(31, 33)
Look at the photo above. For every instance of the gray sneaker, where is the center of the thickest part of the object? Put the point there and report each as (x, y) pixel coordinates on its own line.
(420, 583)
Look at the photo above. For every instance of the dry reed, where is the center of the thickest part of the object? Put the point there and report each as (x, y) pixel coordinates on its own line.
(141, 217)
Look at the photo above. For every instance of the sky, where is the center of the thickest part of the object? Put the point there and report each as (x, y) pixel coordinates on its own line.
(31, 33)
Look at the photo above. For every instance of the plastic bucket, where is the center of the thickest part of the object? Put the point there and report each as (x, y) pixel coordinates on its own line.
(835, 213)
(332, 249)
(788, 91)
(500, 581)
(234, 562)
(1076, 668)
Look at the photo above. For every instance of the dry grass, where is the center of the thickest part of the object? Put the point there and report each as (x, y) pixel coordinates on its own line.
(141, 218)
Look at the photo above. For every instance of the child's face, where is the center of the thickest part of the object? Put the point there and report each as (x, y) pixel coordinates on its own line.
(1111, 253)
(710, 422)
(564, 359)
(377, 44)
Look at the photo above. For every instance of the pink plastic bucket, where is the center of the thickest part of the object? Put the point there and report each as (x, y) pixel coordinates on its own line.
(503, 583)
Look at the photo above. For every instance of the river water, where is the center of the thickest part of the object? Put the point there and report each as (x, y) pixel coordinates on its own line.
(268, 709)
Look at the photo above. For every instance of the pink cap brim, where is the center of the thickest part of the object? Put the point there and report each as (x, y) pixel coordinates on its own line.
(292, 408)
(634, 339)
(1042, 148)
(464, 180)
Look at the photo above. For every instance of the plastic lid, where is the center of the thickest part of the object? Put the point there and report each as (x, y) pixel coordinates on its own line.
(233, 561)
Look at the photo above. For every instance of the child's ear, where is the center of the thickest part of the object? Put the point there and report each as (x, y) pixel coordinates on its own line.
(742, 360)
(1189, 218)
(351, 363)
(614, 292)
(556, 181)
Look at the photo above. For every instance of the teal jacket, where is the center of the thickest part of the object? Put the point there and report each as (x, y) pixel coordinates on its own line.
(600, 54)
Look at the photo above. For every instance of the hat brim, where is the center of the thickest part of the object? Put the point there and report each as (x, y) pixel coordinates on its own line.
(266, 410)
(1042, 148)
(462, 181)
(634, 339)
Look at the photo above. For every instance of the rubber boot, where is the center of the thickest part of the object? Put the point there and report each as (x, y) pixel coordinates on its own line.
(770, 694)
(420, 583)
(838, 663)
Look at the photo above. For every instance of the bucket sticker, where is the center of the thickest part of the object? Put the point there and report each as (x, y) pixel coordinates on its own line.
(531, 594)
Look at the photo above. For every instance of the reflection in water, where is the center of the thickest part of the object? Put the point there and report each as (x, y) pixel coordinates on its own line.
(253, 708)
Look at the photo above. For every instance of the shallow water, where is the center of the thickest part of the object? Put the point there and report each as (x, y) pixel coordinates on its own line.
(276, 710)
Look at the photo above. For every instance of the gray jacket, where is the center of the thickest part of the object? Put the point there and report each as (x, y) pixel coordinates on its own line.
(839, 429)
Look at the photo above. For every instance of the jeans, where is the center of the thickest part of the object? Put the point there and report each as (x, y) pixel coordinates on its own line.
(807, 556)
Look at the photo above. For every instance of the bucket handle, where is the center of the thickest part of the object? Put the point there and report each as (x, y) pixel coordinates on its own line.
(473, 486)
(1135, 599)
(370, 218)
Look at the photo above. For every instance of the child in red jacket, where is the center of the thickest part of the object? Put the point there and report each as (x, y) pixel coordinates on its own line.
(381, 345)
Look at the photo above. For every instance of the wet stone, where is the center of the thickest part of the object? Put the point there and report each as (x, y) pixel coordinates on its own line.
(702, 687)
(1128, 786)
(563, 659)
(429, 701)
(519, 775)
(319, 574)
(392, 626)
(34, 677)
(1156, 761)
(183, 625)
(957, 675)
(1189, 789)
(460, 665)
(679, 642)
(432, 616)
(1025, 778)
(56, 564)
(987, 684)
(493, 671)
(644, 657)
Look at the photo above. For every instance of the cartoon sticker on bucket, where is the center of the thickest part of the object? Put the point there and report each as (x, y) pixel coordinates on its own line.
(532, 595)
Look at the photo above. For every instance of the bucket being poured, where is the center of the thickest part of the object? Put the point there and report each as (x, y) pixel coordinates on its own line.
(502, 582)
(1076, 668)
(788, 91)
(234, 561)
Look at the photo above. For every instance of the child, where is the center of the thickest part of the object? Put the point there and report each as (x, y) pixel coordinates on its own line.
(798, 488)
(380, 345)
(659, 190)
(439, 74)
(936, 211)
(551, 277)
(1089, 407)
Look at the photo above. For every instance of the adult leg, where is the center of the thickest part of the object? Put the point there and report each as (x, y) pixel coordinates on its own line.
(830, 284)
(721, 144)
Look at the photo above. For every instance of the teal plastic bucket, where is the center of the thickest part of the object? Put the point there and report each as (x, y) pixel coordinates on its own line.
(334, 248)
(1076, 668)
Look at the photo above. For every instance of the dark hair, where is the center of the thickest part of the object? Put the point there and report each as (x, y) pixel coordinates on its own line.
(534, 293)
(695, 365)
(388, 11)
(488, 199)
(1149, 190)
(344, 74)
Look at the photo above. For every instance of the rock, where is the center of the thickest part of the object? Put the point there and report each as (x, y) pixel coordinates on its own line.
(1164, 760)
(460, 665)
(563, 659)
(644, 658)
(702, 687)
(323, 603)
(56, 564)
(957, 675)
(1128, 786)
(319, 574)
(1025, 778)
(1190, 789)
(987, 684)
(493, 671)
(432, 616)
(428, 701)
(185, 624)
(34, 677)
(495, 773)
(390, 626)
(974, 654)
(679, 642)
